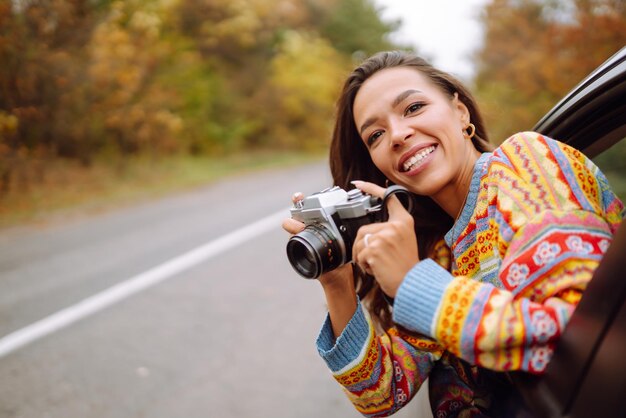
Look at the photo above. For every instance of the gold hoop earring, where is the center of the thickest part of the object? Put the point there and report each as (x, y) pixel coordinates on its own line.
(472, 131)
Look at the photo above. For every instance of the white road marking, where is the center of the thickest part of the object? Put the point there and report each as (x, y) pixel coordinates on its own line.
(136, 284)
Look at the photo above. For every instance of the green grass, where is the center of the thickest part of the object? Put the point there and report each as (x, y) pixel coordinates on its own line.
(65, 189)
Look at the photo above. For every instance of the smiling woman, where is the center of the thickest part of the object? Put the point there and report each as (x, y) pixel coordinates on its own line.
(483, 275)
(435, 159)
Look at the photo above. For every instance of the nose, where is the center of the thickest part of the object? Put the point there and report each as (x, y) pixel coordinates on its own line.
(399, 132)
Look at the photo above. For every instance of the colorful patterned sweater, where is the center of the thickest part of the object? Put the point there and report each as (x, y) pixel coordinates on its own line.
(538, 218)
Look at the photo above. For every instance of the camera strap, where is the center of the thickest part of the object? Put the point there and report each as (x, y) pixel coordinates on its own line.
(404, 196)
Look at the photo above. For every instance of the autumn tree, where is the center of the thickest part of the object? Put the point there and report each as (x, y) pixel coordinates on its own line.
(301, 93)
(355, 26)
(123, 57)
(278, 62)
(536, 51)
(109, 79)
(39, 40)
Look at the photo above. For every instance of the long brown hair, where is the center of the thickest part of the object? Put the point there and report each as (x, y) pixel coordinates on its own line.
(350, 160)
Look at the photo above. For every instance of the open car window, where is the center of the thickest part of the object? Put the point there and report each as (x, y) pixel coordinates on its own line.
(592, 118)
(587, 374)
(612, 162)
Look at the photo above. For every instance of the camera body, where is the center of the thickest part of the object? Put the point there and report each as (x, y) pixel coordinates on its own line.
(332, 219)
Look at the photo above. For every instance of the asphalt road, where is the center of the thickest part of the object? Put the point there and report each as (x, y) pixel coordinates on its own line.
(231, 335)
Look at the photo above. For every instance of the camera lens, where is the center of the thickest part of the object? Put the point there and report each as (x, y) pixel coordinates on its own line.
(303, 259)
(313, 251)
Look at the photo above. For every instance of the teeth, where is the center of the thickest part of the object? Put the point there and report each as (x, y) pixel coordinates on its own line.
(415, 160)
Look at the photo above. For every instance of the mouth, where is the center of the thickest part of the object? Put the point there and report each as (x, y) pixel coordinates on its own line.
(411, 162)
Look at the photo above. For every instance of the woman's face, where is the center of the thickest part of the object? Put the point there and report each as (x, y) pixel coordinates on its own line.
(413, 131)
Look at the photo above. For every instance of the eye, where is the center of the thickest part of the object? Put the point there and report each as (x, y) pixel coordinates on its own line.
(413, 107)
(373, 137)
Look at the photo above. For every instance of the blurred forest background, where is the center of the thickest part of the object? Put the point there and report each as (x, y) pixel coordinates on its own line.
(103, 98)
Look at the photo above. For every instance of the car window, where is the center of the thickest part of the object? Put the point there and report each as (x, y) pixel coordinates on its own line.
(612, 162)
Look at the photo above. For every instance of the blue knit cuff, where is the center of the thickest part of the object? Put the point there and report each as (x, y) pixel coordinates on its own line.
(419, 296)
(342, 351)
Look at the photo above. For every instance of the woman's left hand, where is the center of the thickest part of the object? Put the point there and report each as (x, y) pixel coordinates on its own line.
(386, 250)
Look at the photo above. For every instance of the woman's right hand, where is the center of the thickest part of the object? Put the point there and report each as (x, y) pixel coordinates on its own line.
(339, 279)
(338, 284)
(292, 226)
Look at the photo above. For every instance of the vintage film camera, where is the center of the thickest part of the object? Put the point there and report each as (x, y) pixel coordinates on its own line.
(332, 218)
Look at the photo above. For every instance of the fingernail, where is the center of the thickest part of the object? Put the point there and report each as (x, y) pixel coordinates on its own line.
(356, 182)
(297, 196)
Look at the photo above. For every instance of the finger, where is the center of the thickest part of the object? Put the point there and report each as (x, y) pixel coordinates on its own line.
(368, 269)
(297, 196)
(359, 240)
(292, 226)
(395, 209)
(369, 188)
(364, 260)
(357, 247)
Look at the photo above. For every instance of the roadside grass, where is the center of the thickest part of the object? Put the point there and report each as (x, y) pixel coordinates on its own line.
(66, 189)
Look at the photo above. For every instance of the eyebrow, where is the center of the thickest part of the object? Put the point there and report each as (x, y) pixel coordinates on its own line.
(395, 103)
(403, 96)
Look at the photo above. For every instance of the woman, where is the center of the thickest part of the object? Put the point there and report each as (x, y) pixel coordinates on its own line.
(483, 276)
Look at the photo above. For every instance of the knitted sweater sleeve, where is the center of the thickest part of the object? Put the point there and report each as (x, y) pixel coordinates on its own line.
(379, 374)
(551, 217)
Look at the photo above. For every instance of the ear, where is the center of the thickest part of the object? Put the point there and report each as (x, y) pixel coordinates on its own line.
(461, 109)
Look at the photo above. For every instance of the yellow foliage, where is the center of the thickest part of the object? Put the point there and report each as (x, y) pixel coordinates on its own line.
(245, 24)
(8, 124)
(306, 76)
(142, 76)
(535, 52)
(123, 51)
